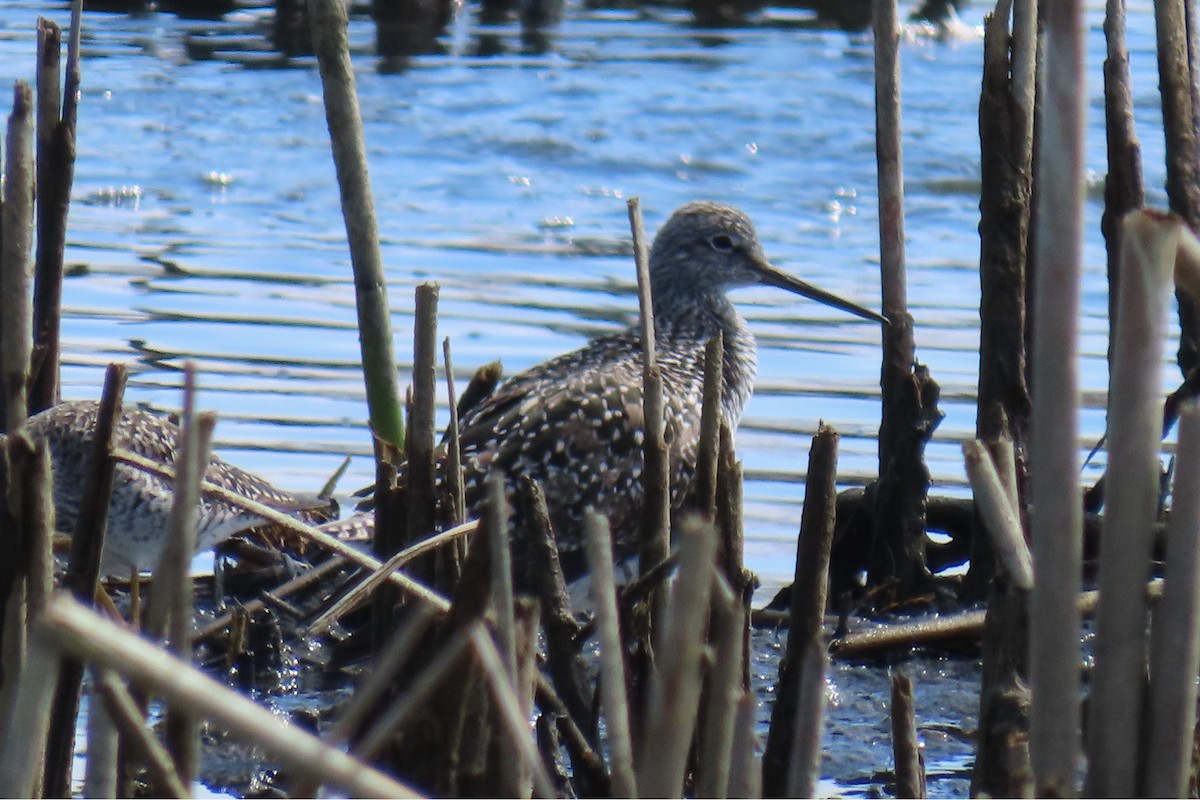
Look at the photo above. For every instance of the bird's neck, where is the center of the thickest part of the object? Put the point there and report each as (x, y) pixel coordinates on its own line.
(699, 321)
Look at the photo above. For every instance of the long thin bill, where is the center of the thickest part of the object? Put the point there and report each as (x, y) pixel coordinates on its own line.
(775, 277)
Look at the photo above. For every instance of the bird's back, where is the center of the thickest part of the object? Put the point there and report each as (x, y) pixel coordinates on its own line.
(575, 425)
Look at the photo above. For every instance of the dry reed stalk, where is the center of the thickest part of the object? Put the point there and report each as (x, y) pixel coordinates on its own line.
(31, 557)
(999, 514)
(1056, 518)
(509, 706)
(710, 428)
(56, 172)
(328, 18)
(500, 561)
(526, 616)
(73, 629)
(1149, 242)
(804, 756)
(613, 699)
(745, 769)
(100, 774)
(22, 755)
(808, 604)
(420, 471)
(1175, 637)
(655, 543)
(906, 747)
(1123, 187)
(375, 578)
(309, 533)
(565, 663)
(172, 595)
(454, 477)
(16, 233)
(126, 715)
(724, 687)
(82, 575)
(674, 691)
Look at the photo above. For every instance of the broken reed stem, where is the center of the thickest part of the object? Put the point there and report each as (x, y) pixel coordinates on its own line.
(1056, 516)
(127, 717)
(16, 232)
(745, 770)
(56, 174)
(100, 773)
(526, 615)
(22, 757)
(196, 442)
(675, 686)
(328, 22)
(83, 634)
(655, 542)
(82, 575)
(496, 524)
(421, 469)
(710, 428)
(1175, 636)
(715, 755)
(906, 747)
(500, 561)
(375, 578)
(1149, 242)
(454, 477)
(509, 706)
(808, 603)
(307, 532)
(613, 700)
(1123, 187)
(999, 515)
(804, 767)
(564, 661)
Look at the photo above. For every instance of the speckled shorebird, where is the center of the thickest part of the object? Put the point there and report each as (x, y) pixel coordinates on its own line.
(574, 423)
(139, 512)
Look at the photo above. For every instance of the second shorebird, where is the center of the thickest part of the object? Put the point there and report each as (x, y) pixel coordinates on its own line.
(574, 423)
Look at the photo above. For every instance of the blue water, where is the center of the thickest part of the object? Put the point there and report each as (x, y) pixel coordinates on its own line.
(206, 214)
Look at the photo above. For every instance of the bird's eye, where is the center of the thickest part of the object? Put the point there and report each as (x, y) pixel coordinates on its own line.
(722, 243)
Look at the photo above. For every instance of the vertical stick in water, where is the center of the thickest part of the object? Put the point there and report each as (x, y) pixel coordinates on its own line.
(1148, 245)
(1057, 516)
(613, 699)
(16, 233)
(906, 747)
(1175, 639)
(675, 688)
(420, 474)
(655, 543)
